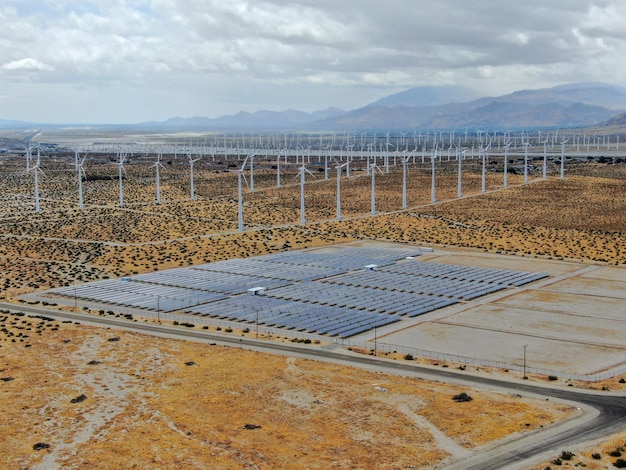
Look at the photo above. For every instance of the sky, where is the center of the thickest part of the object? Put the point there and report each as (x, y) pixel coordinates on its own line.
(130, 61)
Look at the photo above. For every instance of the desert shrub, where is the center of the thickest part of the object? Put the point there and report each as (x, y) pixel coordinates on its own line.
(596, 456)
(462, 397)
(566, 455)
(617, 452)
(552, 377)
(620, 463)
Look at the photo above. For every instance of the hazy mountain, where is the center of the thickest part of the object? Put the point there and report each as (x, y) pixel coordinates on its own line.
(432, 107)
(617, 120)
(10, 124)
(595, 94)
(428, 96)
(258, 120)
(574, 105)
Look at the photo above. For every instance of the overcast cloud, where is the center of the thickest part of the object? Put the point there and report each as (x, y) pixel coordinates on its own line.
(123, 61)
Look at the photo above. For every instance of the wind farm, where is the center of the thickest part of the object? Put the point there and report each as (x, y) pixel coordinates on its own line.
(117, 210)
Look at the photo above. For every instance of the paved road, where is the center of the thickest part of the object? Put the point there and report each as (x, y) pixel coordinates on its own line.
(605, 411)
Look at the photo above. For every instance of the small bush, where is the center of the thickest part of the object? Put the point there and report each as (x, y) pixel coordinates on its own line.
(557, 462)
(596, 456)
(462, 397)
(408, 357)
(566, 455)
(616, 453)
(620, 463)
(552, 378)
(228, 330)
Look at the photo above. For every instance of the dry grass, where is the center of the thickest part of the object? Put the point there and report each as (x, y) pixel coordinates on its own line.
(146, 408)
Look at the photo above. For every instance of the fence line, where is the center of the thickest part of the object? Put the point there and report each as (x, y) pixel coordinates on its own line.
(300, 335)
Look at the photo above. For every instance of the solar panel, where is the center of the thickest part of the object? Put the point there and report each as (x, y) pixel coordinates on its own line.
(326, 290)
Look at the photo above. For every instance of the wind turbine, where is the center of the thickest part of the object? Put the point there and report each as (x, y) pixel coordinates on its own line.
(80, 172)
(191, 186)
(301, 174)
(157, 166)
(526, 145)
(484, 168)
(120, 169)
(459, 185)
(405, 160)
(339, 167)
(562, 158)
(506, 164)
(433, 158)
(35, 169)
(278, 168)
(373, 169)
(545, 159)
(240, 197)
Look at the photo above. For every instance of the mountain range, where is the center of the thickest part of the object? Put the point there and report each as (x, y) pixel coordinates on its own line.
(441, 107)
(429, 107)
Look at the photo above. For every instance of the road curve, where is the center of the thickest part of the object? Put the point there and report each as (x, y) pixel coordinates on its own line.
(606, 411)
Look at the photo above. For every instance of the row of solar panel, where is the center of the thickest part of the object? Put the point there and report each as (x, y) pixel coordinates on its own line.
(344, 258)
(460, 289)
(271, 270)
(207, 280)
(139, 295)
(490, 275)
(361, 298)
(295, 315)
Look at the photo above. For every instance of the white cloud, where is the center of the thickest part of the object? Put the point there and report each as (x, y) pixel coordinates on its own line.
(27, 64)
(345, 53)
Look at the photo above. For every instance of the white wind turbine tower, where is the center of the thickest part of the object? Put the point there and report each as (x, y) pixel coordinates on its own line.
(121, 171)
(405, 160)
(157, 166)
(373, 169)
(545, 159)
(484, 167)
(526, 145)
(506, 164)
(339, 167)
(35, 169)
(80, 172)
(192, 193)
(563, 158)
(301, 174)
(240, 175)
(433, 197)
(459, 185)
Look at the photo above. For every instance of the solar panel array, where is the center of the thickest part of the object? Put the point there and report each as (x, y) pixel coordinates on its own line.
(323, 291)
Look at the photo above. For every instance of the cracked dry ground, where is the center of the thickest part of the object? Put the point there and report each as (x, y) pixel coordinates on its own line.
(165, 404)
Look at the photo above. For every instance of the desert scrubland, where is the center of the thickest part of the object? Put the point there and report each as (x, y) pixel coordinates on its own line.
(144, 406)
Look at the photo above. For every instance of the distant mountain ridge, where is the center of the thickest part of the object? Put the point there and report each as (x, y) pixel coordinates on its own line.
(257, 120)
(572, 105)
(442, 107)
(427, 107)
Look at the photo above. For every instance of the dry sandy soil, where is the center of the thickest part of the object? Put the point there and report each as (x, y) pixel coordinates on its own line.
(155, 411)
(158, 403)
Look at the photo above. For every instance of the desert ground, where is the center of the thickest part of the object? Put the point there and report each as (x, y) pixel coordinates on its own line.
(140, 396)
